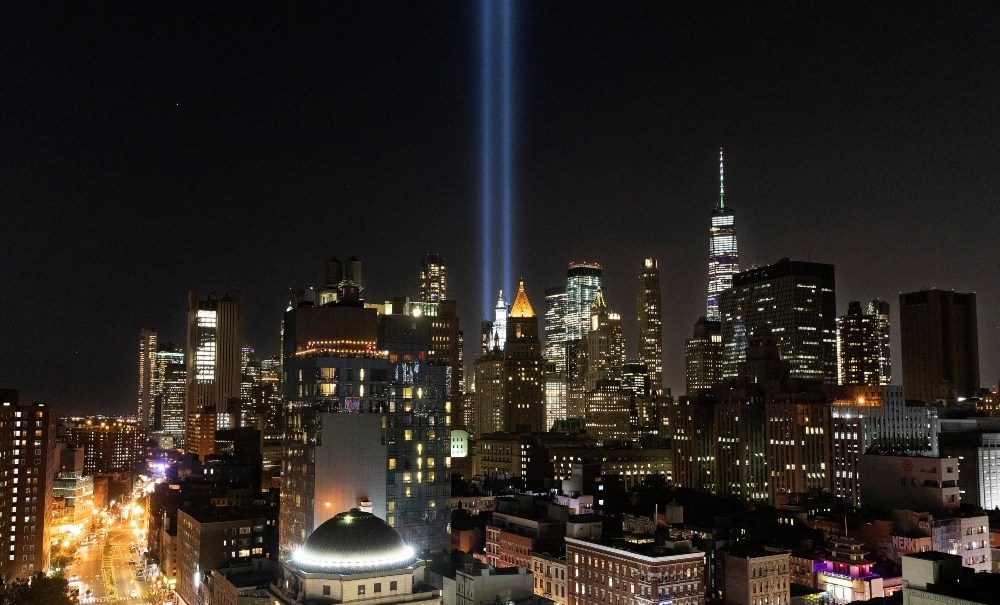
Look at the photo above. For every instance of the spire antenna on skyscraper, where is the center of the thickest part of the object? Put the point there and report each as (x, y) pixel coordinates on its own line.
(722, 184)
(723, 257)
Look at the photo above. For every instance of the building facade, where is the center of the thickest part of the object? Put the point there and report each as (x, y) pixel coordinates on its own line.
(147, 371)
(757, 576)
(634, 570)
(27, 468)
(433, 279)
(723, 254)
(703, 355)
(649, 308)
(863, 345)
(583, 279)
(170, 392)
(215, 353)
(792, 303)
(940, 344)
(509, 382)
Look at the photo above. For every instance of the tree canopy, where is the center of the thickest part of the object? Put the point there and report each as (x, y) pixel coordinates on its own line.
(39, 588)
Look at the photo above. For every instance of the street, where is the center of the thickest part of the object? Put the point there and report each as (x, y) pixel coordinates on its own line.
(103, 567)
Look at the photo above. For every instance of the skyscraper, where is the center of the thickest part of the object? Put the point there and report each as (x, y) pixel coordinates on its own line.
(648, 307)
(703, 356)
(555, 327)
(147, 370)
(582, 281)
(169, 391)
(416, 432)
(605, 344)
(509, 391)
(723, 256)
(793, 304)
(863, 345)
(940, 344)
(498, 337)
(215, 354)
(433, 279)
(555, 355)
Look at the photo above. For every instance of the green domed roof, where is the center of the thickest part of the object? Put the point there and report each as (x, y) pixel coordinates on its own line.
(353, 542)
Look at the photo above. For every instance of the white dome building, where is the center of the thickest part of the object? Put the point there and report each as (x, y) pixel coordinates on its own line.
(355, 557)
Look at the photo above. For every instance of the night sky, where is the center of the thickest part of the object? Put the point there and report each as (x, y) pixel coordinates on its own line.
(150, 148)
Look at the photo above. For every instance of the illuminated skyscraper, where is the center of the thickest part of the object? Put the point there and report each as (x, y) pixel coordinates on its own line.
(498, 335)
(650, 325)
(215, 354)
(723, 256)
(793, 304)
(703, 356)
(555, 327)
(582, 281)
(605, 344)
(940, 344)
(555, 355)
(433, 279)
(169, 391)
(509, 391)
(863, 345)
(147, 363)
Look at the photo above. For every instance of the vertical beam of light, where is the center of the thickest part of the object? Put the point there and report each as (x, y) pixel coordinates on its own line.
(507, 83)
(487, 176)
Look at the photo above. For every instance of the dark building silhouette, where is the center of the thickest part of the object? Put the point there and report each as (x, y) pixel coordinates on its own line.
(940, 345)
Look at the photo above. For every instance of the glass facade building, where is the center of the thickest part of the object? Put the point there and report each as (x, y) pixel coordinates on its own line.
(723, 256)
(792, 304)
(582, 282)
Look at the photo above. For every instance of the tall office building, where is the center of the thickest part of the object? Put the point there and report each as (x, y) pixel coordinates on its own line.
(433, 279)
(723, 255)
(650, 327)
(555, 355)
(582, 281)
(792, 303)
(498, 334)
(416, 435)
(567, 321)
(215, 355)
(445, 348)
(940, 344)
(703, 356)
(555, 327)
(147, 370)
(171, 394)
(509, 383)
(863, 344)
(28, 467)
(605, 344)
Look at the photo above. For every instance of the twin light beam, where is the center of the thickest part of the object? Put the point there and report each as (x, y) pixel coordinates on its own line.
(497, 185)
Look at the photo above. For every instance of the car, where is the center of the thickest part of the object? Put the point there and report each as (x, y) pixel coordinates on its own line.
(74, 578)
(134, 594)
(131, 561)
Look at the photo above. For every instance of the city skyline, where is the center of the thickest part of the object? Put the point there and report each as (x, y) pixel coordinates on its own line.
(146, 161)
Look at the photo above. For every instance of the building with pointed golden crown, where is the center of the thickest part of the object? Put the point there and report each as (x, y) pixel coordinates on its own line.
(509, 382)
